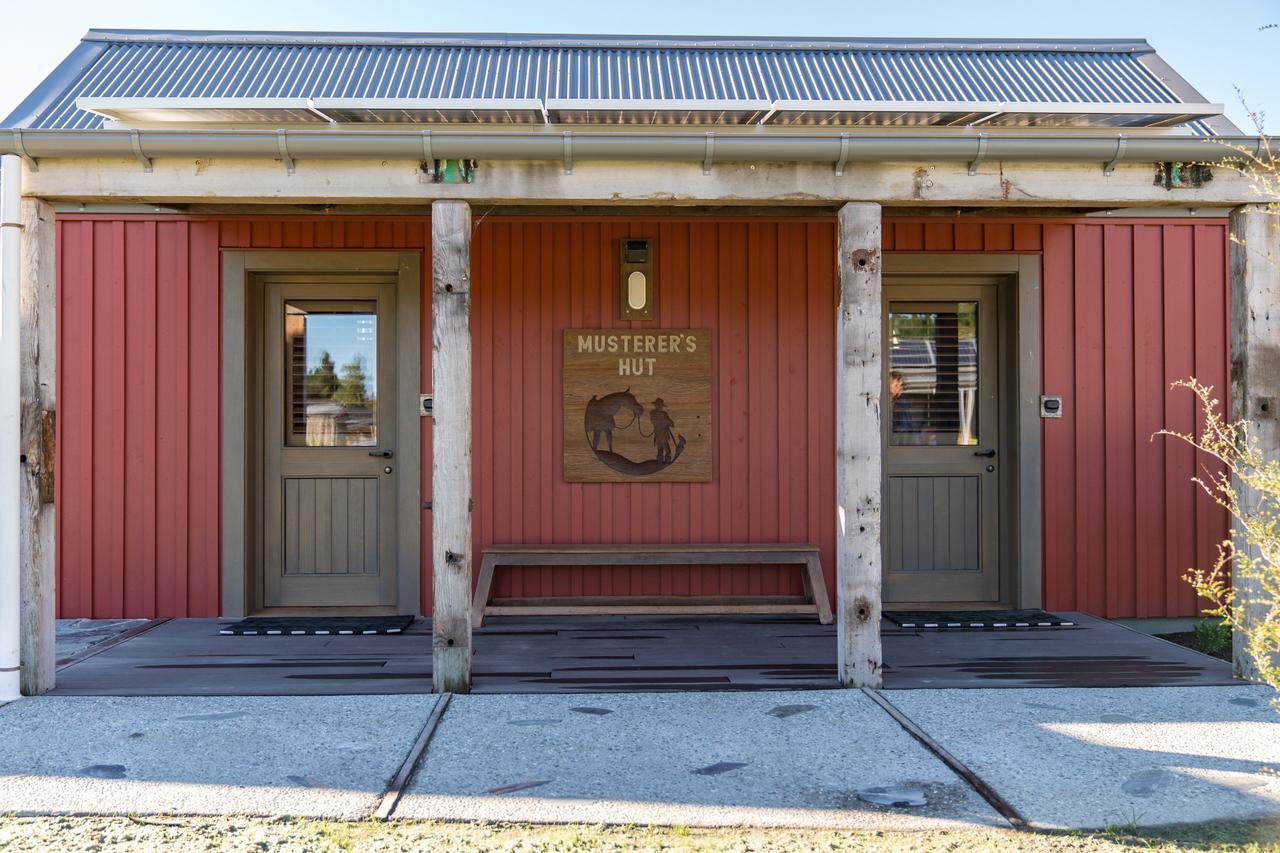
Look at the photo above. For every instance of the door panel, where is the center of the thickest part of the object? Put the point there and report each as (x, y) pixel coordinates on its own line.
(934, 524)
(941, 444)
(328, 438)
(331, 526)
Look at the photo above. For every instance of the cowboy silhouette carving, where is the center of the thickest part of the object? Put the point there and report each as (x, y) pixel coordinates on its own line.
(601, 421)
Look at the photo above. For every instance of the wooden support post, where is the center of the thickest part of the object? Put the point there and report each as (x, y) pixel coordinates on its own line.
(858, 368)
(37, 382)
(1255, 366)
(451, 446)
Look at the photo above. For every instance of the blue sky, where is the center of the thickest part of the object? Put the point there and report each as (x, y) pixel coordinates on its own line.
(1215, 47)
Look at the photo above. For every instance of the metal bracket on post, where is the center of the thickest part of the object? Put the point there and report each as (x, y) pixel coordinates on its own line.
(136, 140)
(982, 154)
(568, 152)
(20, 148)
(711, 152)
(844, 154)
(1121, 142)
(282, 141)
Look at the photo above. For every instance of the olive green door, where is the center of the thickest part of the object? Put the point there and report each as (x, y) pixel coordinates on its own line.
(940, 501)
(329, 440)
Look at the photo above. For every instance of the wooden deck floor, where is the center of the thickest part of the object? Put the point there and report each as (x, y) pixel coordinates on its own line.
(644, 654)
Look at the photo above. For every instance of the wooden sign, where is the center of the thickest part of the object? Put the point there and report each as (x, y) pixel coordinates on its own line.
(637, 406)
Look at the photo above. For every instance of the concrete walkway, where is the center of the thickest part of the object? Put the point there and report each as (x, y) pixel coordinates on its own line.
(304, 756)
(1092, 758)
(794, 759)
(1062, 757)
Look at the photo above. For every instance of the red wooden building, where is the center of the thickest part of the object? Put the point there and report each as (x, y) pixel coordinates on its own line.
(943, 295)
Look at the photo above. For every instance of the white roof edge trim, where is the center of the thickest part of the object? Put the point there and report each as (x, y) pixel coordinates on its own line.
(1176, 108)
(533, 104)
(651, 104)
(105, 106)
(108, 106)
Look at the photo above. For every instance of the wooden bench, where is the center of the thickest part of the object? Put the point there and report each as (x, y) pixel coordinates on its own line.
(801, 555)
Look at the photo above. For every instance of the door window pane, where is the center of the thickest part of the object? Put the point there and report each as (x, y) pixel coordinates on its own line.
(933, 373)
(331, 357)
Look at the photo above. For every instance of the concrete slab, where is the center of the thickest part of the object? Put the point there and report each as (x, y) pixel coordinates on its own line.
(795, 759)
(304, 756)
(73, 636)
(1099, 757)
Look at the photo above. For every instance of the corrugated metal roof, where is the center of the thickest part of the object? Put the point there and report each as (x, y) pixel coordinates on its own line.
(164, 65)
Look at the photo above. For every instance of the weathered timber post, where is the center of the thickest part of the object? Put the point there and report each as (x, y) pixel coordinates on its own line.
(1255, 363)
(451, 446)
(858, 354)
(37, 382)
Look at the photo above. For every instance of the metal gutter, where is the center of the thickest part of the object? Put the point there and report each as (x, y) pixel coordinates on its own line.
(550, 144)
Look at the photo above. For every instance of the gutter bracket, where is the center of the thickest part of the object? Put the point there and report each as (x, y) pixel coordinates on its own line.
(844, 154)
(711, 151)
(1121, 142)
(282, 141)
(20, 148)
(428, 155)
(568, 152)
(311, 107)
(136, 141)
(981, 155)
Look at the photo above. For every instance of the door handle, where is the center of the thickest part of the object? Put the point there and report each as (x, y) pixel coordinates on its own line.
(988, 454)
(384, 454)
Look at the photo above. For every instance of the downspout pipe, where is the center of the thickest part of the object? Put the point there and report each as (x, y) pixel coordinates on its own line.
(596, 144)
(10, 436)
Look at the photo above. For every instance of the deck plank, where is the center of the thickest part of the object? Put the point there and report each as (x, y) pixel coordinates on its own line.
(619, 654)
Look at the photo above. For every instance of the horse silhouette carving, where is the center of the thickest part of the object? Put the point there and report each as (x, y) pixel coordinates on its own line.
(601, 420)
(602, 413)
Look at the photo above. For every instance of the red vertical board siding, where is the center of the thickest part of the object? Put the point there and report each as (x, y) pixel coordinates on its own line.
(1129, 306)
(1149, 417)
(1058, 437)
(1211, 297)
(1180, 413)
(173, 262)
(752, 284)
(1089, 400)
(74, 549)
(1118, 416)
(139, 429)
(140, 403)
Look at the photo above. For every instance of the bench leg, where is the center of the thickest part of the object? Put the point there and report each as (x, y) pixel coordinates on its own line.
(817, 589)
(484, 587)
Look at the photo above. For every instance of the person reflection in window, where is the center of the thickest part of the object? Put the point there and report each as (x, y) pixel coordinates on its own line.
(906, 417)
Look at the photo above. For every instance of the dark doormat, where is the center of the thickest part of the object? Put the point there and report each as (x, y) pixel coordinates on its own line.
(975, 620)
(296, 625)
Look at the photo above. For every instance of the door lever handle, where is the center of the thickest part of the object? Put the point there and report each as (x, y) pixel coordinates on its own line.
(384, 454)
(989, 454)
